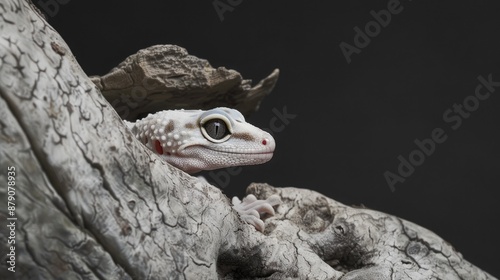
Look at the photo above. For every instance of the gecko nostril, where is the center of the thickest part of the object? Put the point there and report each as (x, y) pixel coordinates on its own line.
(264, 141)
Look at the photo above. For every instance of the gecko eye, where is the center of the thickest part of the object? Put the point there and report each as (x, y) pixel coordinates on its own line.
(216, 130)
(215, 127)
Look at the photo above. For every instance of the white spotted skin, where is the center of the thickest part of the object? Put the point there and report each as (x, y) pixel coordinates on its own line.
(184, 144)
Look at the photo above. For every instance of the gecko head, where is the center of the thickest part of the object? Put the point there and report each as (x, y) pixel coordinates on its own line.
(195, 140)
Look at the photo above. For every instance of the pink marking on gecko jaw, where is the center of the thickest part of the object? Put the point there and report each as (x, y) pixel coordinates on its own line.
(158, 147)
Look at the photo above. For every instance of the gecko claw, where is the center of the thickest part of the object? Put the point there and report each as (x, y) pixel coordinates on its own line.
(252, 210)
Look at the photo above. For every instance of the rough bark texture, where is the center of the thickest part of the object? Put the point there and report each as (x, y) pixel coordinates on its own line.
(165, 77)
(363, 243)
(93, 203)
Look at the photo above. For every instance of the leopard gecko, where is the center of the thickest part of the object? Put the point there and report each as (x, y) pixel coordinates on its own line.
(196, 140)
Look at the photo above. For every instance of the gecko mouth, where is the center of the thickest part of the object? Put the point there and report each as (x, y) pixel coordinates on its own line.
(227, 151)
(247, 158)
(196, 158)
(242, 157)
(242, 152)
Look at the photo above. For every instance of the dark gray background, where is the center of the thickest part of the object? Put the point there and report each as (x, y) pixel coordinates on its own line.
(352, 120)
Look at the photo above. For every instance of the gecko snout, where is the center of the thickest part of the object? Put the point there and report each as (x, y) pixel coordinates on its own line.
(268, 143)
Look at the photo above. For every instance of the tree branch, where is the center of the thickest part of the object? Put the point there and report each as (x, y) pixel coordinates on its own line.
(92, 202)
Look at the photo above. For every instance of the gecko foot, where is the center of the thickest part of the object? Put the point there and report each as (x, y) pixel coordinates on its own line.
(251, 209)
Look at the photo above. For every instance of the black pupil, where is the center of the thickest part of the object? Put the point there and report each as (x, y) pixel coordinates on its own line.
(216, 128)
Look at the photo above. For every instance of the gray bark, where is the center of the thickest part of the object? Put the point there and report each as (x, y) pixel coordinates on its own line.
(92, 203)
